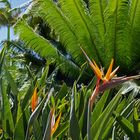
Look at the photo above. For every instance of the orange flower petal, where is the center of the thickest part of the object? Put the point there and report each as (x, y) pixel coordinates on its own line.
(95, 68)
(96, 71)
(113, 72)
(107, 76)
(34, 99)
(55, 125)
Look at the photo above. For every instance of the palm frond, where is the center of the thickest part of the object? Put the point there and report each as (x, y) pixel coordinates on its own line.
(3, 18)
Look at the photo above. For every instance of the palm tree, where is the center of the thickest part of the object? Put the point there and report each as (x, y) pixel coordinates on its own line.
(104, 29)
(5, 16)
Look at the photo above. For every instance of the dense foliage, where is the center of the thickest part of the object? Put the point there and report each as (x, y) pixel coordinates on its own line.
(37, 103)
(104, 29)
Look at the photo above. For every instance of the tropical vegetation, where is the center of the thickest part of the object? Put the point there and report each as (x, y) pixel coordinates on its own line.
(58, 81)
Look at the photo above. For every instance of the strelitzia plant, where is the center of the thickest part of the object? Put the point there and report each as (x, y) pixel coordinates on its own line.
(54, 123)
(106, 81)
(103, 82)
(34, 99)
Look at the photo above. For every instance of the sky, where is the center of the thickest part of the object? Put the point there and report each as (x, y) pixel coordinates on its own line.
(14, 3)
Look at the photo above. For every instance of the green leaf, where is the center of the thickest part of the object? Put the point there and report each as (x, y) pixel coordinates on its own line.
(2, 55)
(74, 126)
(136, 123)
(27, 96)
(114, 135)
(37, 130)
(126, 125)
(54, 17)
(83, 118)
(7, 119)
(62, 92)
(44, 76)
(135, 28)
(45, 48)
(96, 10)
(118, 36)
(98, 127)
(11, 81)
(38, 43)
(36, 112)
(47, 133)
(62, 128)
(19, 126)
(100, 106)
(78, 16)
(108, 130)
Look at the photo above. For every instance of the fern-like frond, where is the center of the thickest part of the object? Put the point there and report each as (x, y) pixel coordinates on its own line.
(76, 13)
(123, 45)
(33, 40)
(44, 47)
(118, 37)
(135, 28)
(97, 10)
(52, 15)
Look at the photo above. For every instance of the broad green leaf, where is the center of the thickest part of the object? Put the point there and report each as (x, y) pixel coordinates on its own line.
(7, 118)
(36, 112)
(44, 76)
(27, 97)
(98, 127)
(108, 130)
(99, 106)
(37, 130)
(62, 128)
(19, 126)
(62, 93)
(47, 133)
(114, 133)
(128, 109)
(74, 126)
(81, 104)
(96, 11)
(83, 118)
(79, 19)
(89, 119)
(136, 122)
(2, 54)
(126, 125)
(11, 81)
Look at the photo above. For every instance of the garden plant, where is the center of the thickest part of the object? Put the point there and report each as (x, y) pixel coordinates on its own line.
(73, 72)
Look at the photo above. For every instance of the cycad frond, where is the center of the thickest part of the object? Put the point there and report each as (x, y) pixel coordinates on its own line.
(85, 30)
(76, 16)
(33, 40)
(105, 29)
(44, 48)
(97, 10)
(118, 37)
(135, 28)
(62, 27)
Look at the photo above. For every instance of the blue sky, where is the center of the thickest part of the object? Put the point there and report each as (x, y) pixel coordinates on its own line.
(14, 3)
